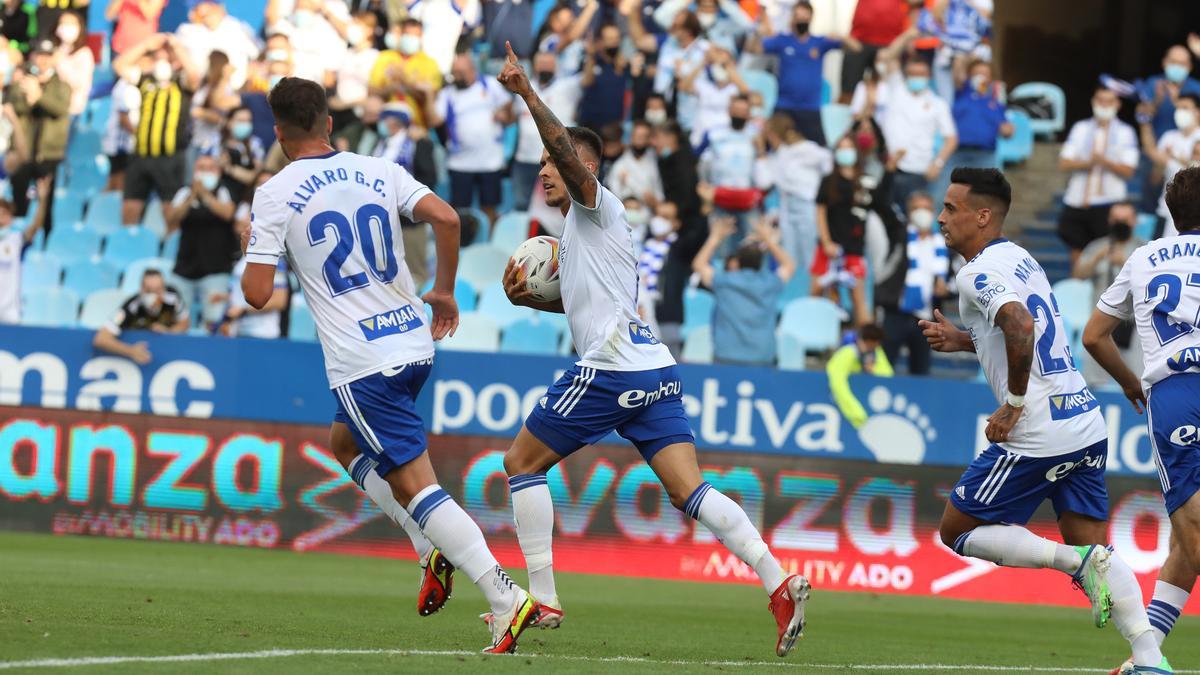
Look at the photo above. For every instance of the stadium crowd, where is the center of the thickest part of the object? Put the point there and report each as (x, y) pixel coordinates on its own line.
(719, 134)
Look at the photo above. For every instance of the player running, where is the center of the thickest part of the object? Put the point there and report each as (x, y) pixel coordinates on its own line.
(336, 215)
(1048, 438)
(1159, 288)
(625, 381)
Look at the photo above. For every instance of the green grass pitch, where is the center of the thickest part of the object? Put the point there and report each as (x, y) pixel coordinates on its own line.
(77, 598)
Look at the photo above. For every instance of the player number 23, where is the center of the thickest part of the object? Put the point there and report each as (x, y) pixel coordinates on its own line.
(1170, 286)
(374, 230)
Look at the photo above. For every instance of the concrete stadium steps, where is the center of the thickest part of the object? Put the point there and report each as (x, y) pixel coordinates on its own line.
(1038, 187)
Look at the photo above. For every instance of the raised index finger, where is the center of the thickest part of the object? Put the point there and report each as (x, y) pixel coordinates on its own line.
(512, 57)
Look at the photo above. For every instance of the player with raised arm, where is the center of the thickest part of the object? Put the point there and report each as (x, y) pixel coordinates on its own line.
(336, 215)
(1159, 289)
(625, 381)
(1048, 438)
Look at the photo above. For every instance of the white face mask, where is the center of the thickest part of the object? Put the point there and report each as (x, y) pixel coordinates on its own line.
(922, 219)
(656, 116)
(133, 74)
(637, 217)
(1185, 119)
(163, 71)
(719, 74)
(1104, 113)
(409, 44)
(660, 227)
(149, 300)
(355, 34)
(68, 33)
(977, 81)
(707, 20)
(208, 179)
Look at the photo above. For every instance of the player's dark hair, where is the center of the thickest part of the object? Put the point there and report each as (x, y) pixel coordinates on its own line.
(1183, 199)
(990, 184)
(586, 143)
(871, 333)
(749, 257)
(299, 106)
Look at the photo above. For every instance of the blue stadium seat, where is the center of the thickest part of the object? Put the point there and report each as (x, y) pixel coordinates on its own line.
(1075, 302)
(98, 111)
(464, 294)
(170, 246)
(104, 212)
(300, 321)
(482, 264)
(49, 306)
(531, 336)
(100, 306)
(86, 276)
(765, 84)
(697, 310)
(129, 244)
(698, 346)
(485, 226)
(494, 304)
(1019, 146)
(1058, 104)
(73, 242)
(68, 207)
(835, 122)
(131, 278)
(83, 146)
(40, 269)
(789, 352)
(88, 179)
(815, 324)
(1145, 226)
(510, 231)
(476, 333)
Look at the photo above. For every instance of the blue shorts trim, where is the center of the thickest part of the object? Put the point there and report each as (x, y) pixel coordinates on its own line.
(381, 412)
(586, 404)
(1005, 487)
(1173, 415)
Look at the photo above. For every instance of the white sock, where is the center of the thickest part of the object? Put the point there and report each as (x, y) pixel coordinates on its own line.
(459, 539)
(1168, 602)
(381, 493)
(1015, 546)
(1129, 613)
(730, 524)
(533, 512)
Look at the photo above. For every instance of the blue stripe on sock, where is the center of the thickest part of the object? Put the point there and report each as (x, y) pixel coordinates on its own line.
(692, 506)
(357, 469)
(1171, 610)
(961, 542)
(421, 512)
(526, 480)
(1162, 615)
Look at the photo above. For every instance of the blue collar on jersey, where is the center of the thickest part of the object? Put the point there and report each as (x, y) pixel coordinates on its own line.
(324, 156)
(1189, 232)
(993, 242)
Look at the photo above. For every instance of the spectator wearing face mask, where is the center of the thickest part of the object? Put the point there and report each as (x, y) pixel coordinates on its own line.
(801, 58)
(212, 102)
(444, 22)
(911, 278)
(677, 167)
(13, 242)
(118, 141)
(209, 28)
(561, 94)
(1101, 154)
(864, 355)
(49, 12)
(208, 244)
(409, 145)
(727, 155)
(960, 27)
(134, 21)
(638, 216)
(795, 166)
(73, 60)
(643, 63)
(562, 34)
(41, 101)
(635, 173)
(404, 72)
(1160, 93)
(979, 116)
(605, 79)
(657, 113)
(157, 307)
(745, 293)
(715, 86)
(684, 50)
(157, 164)
(317, 29)
(1174, 151)
(353, 76)
(724, 22)
(240, 153)
(661, 230)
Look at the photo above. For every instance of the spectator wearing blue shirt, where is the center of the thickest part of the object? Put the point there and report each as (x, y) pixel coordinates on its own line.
(605, 78)
(960, 25)
(801, 55)
(1159, 92)
(746, 293)
(723, 21)
(979, 116)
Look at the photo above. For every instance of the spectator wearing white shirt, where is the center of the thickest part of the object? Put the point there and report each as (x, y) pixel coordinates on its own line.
(795, 166)
(1101, 154)
(118, 140)
(686, 50)
(317, 29)
(353, 76)
(210, 28)
(714, 84)
(723, 21)
(561, 93)
(1175, 150)
(473, 113)
(870, 97)
(562, 33)
(444, 22)
(73, 60)
(635, 173)
(915, 118)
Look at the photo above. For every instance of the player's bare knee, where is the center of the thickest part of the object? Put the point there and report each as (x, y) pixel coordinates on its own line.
(518, 462)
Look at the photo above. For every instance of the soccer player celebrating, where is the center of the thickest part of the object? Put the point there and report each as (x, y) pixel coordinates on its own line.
(626, 379)
(1048, 438)
(336, 215)
(1166, 313)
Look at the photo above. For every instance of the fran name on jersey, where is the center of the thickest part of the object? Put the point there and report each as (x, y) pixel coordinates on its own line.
(308, 189)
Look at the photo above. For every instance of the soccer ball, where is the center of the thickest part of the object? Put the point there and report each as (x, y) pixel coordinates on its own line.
(538, 259)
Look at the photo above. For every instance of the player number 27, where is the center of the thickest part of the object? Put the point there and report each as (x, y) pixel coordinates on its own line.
(1171, 288)
(374, 230)
(1048, 363)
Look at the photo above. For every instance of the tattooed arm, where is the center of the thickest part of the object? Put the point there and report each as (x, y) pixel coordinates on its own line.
(1017, 325)
(581, 182)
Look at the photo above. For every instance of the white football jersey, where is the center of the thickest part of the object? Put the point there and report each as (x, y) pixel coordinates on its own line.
(337, 218)
(599, 282)
(1061, 415)
(1159, 288)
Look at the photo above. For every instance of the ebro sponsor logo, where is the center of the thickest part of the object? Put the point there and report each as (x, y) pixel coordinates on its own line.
(988, 289)
(1185, 435)
(1061, 471)
(636, 398)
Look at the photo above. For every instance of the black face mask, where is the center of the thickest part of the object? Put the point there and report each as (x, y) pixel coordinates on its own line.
(801, 27)
(461, 84)
(1121, 231)
(612, 52)
(545, 77)
(738, 123)
(639, 150)
(651, 57)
